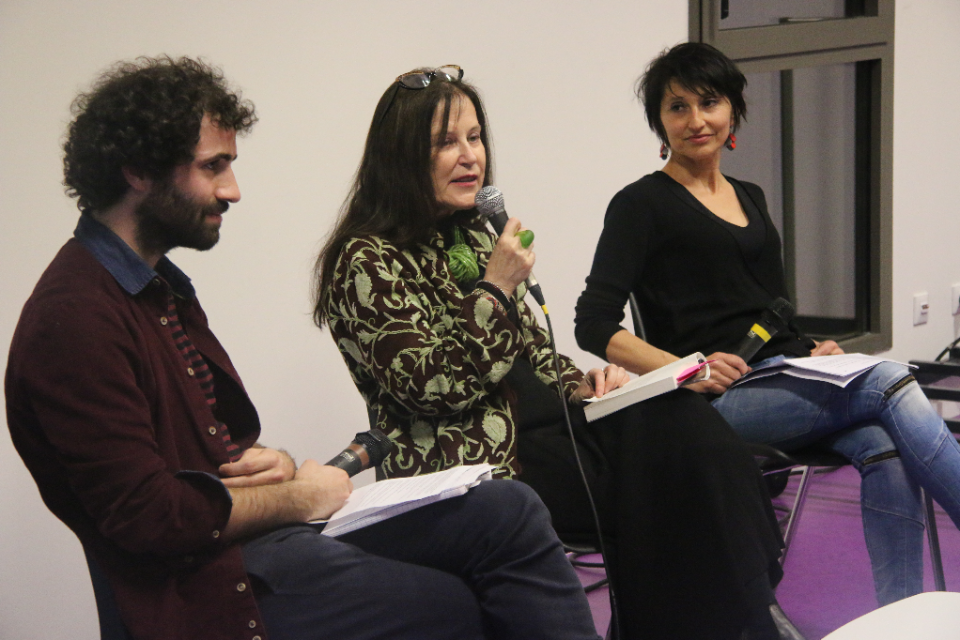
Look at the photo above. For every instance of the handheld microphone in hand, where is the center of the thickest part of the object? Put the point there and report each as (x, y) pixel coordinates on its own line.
(367, 450)
(489, 203)
(773, 319)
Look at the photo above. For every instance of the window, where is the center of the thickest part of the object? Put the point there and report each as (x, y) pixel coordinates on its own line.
(818, 140)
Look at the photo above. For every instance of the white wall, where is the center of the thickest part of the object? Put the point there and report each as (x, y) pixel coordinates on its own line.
(926, 162)
(557, 80)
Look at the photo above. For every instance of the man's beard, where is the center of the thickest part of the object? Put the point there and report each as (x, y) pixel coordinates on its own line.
(169, 218)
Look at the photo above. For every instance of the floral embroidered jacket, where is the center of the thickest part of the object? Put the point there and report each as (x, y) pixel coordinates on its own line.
(430, 360)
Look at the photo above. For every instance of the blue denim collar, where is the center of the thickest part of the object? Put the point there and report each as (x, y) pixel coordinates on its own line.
(123, 263)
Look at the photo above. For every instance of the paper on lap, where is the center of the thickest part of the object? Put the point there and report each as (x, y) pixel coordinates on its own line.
(839, 370)
(381, 500)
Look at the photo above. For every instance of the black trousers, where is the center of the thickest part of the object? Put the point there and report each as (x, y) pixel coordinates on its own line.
(682, 506)
(483, 565)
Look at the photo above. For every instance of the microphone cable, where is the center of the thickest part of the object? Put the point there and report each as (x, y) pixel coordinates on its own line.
(948, 350)
(489, 202)
(611, 591)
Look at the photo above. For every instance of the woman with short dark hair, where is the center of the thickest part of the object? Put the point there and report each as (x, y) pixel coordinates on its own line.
(701, 255)
(427, 307)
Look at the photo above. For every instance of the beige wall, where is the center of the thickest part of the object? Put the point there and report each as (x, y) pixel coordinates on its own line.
(557, 80)
(926, 164)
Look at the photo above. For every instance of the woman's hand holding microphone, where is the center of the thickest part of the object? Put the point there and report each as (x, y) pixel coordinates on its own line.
(511, 261)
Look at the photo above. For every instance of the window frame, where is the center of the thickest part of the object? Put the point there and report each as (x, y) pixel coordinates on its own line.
(867, 40)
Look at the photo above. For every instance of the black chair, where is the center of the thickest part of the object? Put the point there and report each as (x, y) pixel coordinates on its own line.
(778, 465)
(809, 461)
(577, 551)
(111, 626)
(937, 379)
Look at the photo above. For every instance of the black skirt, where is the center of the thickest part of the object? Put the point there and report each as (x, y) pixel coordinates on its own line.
(684, 510)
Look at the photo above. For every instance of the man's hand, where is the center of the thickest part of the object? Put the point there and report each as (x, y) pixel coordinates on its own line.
(597, 382)
(826, 348)
(314, 493)
(325, 488)
(726, 369)
(258, 466)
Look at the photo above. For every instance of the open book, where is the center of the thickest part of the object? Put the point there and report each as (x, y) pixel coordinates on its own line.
(381, 500)
(685, 371)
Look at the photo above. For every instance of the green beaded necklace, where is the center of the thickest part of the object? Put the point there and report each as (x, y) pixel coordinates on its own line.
(462, 259)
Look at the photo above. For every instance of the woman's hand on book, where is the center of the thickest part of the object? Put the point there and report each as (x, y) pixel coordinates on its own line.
(600, 381)
(725, 369)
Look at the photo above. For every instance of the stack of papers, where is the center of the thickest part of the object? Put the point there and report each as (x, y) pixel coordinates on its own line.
(839, 370)
(381, 500)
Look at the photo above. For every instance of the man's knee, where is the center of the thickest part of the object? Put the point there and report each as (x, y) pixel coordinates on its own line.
(506, 500)
(506, 495)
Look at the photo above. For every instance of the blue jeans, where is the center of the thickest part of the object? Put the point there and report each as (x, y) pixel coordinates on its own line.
(862, 422)
(483, 565)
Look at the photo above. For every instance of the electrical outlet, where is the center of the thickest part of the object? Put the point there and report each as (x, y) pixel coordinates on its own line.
(955, 299)
(921, 308)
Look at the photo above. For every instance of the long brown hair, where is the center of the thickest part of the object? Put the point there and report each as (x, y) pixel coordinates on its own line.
(393, 195)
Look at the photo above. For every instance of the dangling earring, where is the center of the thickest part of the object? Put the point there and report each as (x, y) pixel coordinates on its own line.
(663, 151)
(731, 142)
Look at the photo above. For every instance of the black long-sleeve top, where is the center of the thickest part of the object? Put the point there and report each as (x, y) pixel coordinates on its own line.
(700, 281)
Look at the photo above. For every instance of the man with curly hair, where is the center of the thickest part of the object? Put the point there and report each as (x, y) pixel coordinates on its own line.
(141, 438)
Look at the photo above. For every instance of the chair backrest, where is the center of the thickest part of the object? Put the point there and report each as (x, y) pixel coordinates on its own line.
(111, 625)
(638, 329)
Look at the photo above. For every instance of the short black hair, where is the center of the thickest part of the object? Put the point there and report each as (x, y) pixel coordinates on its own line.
(696, 67)
(144, 114)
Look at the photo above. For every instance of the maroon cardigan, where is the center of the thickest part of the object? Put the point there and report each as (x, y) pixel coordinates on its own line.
(118, 438)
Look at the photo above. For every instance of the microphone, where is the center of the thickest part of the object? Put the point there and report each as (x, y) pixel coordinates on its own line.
(489, 203)
(773, 319)
(367, 450)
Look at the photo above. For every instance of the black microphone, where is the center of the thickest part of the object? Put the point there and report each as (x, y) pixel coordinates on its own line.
(489, 203)
(367, 450)
(773, 320)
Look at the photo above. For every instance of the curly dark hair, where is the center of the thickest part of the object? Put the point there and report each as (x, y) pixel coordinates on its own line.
(697, 67)
(144, 114)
